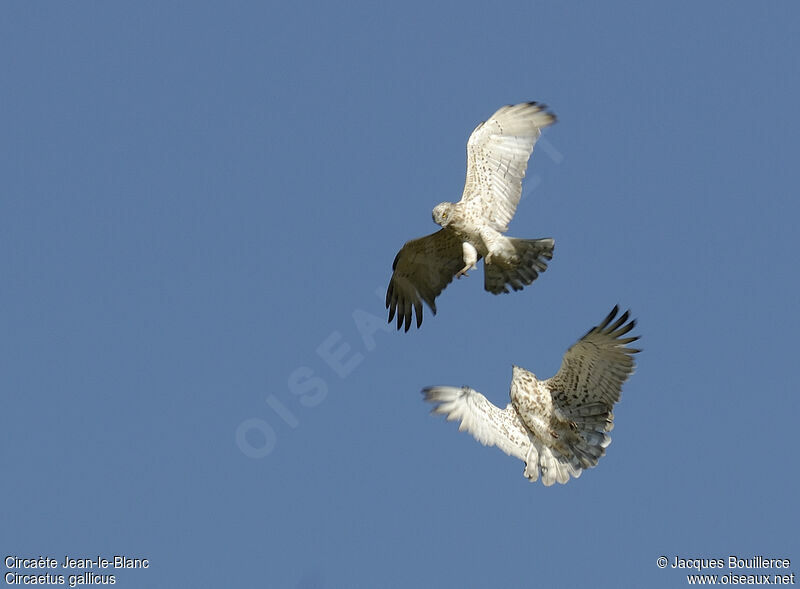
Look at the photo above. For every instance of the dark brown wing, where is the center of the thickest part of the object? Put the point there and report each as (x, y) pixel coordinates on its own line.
(595, 367)
(422, 270)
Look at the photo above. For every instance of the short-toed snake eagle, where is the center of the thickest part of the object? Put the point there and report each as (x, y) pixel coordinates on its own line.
(557, 426)
(497, 157)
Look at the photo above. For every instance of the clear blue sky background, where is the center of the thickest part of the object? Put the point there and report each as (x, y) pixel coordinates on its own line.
(197, 196)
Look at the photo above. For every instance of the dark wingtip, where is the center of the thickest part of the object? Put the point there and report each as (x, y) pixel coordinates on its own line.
(609, 318)
(392, 310)
(620, 322)
(545, 109)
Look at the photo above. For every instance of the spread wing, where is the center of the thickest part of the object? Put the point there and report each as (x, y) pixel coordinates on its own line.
(422, 270)
(487, 423)
(593, 370)
(497, 157)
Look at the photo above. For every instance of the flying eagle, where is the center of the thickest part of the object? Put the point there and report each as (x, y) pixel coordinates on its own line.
(497, 157)
(558, 426)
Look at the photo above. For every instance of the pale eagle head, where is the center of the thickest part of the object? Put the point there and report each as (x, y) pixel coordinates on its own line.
(442, 213)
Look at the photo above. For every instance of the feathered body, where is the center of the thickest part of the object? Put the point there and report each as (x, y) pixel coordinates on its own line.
(558, 426)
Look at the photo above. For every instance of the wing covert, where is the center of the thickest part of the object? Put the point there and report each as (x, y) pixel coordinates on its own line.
(487, 423)
(497, 158)
(594, 369)
(422, 269)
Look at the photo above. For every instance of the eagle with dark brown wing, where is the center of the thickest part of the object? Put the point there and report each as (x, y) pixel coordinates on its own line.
(497, 157)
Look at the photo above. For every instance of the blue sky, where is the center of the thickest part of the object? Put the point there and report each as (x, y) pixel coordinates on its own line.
(198, 197)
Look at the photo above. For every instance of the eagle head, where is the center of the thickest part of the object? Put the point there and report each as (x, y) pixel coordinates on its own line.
(442, 213)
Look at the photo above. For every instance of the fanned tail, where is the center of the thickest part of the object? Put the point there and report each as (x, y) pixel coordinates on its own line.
(553, 466)
(518, 264)
(582, 450)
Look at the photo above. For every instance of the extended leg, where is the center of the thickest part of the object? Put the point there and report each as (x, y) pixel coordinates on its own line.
(470, 259)
(493, 240)
(532, 464)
